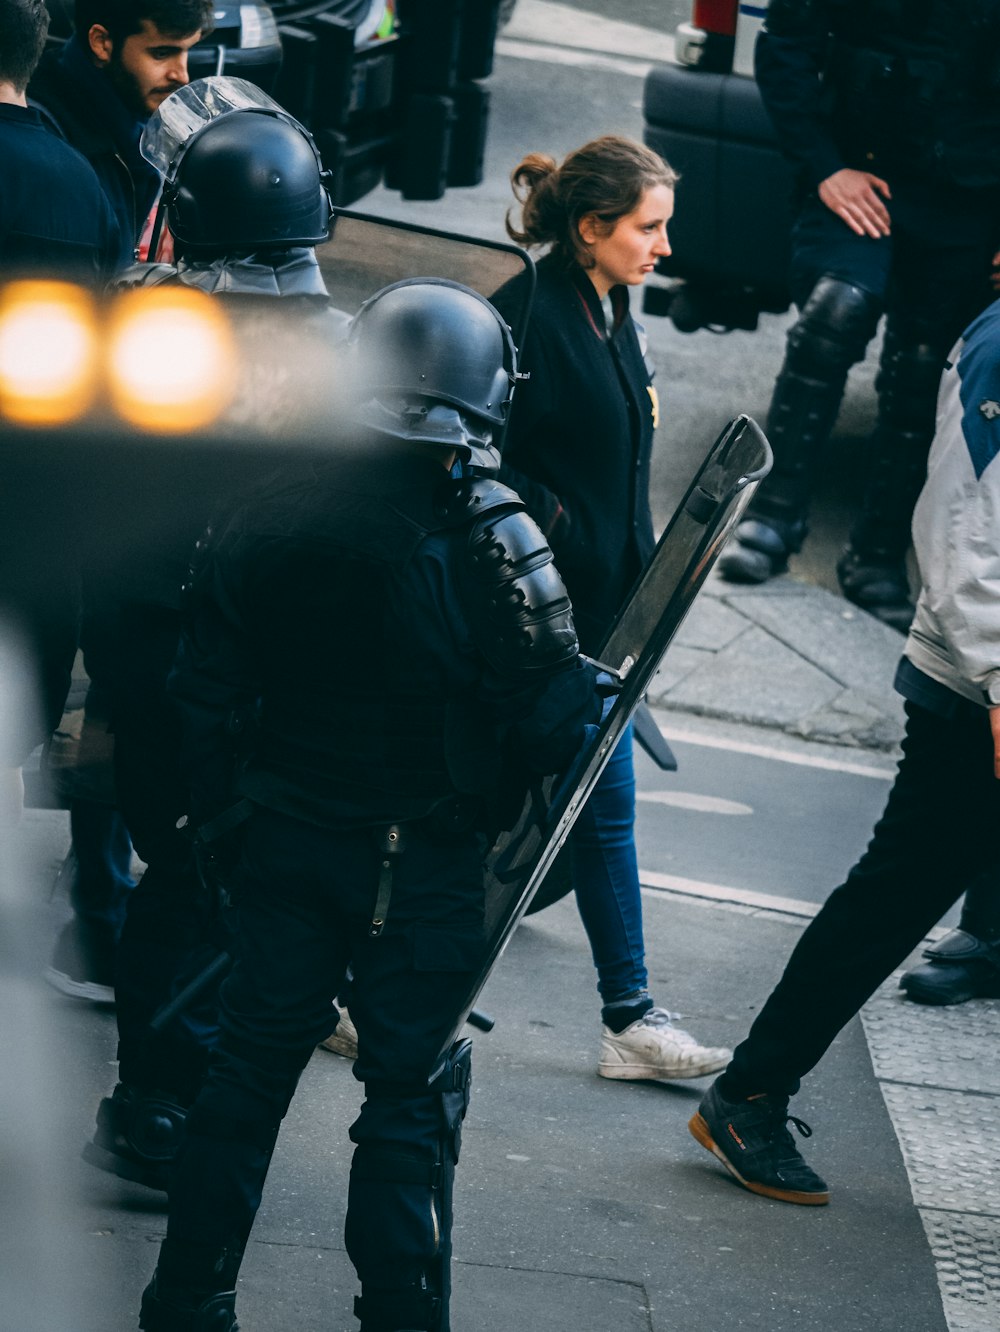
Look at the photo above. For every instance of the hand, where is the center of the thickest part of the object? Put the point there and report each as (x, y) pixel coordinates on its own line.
(995, 271)
(995, 728)
(856, 197)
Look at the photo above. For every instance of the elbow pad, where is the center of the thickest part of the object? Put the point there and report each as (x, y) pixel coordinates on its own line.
(516, 602)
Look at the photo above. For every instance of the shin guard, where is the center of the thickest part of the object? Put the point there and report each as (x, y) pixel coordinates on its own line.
(400, 1202)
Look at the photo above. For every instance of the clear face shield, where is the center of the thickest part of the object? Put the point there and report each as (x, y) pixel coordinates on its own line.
(188, 110)
(184, 114)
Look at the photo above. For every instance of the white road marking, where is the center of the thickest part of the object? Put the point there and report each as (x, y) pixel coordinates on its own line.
(684, 736)
(704, 804)
(561, 25)
(654, 884)
(562, 55)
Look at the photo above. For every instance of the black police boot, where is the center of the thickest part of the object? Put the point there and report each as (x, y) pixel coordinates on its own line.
(878, 584)
(214, 1313)
(759, 550)
(193, 1289)
(958, 968)
(138, 1135)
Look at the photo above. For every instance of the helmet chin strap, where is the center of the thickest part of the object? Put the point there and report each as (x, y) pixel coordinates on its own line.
(154, 237)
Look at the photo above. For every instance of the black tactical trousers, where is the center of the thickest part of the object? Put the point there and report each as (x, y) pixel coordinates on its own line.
(938, 832)
(304, 906)
(172, 926)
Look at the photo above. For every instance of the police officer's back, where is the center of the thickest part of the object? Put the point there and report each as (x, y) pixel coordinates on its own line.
(245, 199)
(391, 645)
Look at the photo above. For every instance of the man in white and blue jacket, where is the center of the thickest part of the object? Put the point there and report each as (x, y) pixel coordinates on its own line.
(938, 831)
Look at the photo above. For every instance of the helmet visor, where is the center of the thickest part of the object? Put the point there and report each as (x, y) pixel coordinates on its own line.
(190, 109)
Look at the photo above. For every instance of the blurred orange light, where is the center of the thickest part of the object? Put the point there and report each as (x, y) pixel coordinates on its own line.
(47, 352)
(171, 362)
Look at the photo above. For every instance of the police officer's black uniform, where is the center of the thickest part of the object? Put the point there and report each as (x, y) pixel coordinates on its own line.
(911, 93)
(401, 648)
(245, 201)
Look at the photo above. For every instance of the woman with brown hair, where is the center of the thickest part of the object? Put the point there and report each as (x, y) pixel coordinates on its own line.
(578, 452)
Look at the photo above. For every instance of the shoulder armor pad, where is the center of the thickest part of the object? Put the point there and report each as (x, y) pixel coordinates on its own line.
(471, 498)
(517, 604)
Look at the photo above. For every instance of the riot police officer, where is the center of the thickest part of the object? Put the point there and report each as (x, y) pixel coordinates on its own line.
(398, 649)
(246, 202)
(891, 113)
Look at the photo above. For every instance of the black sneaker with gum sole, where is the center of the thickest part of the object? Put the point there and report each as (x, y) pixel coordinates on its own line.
(752, 1141)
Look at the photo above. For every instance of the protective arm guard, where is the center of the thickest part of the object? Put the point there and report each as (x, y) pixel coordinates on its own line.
(517, 605)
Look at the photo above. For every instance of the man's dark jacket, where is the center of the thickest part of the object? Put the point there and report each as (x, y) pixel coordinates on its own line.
(81, 104)
(55, 220)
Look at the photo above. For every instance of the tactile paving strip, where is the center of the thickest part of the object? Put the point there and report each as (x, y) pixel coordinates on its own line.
(942, 1047)
(948, 1141)
(966, 1250)
(940, 1078)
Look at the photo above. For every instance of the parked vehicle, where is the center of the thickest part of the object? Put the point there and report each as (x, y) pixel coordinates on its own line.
(392, 90)
(705, 115)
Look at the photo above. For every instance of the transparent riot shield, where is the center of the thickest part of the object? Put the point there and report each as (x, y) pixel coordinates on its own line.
(366, 253)
(715, 500)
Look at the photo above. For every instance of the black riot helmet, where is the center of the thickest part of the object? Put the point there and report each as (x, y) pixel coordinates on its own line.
(248, 180)
(436, 364)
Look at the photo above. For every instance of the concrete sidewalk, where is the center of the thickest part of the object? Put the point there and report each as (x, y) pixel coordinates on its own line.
(584, 1205)
(789, 656)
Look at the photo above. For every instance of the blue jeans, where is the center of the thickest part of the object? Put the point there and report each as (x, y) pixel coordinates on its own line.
(103, 880)
(606, 877)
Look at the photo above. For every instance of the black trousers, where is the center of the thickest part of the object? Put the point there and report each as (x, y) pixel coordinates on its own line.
(172, 926)
(304, 903)
(938, 832)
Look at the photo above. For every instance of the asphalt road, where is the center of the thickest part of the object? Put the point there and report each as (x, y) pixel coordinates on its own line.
(756, 824)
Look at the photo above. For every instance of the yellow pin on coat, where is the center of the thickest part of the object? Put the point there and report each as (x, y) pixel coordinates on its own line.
(654, 399)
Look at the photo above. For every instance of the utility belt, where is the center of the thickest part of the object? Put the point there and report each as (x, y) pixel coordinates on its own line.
(450, 821)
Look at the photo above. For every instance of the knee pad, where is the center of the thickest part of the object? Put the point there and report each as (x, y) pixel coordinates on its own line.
(400, 1200)
(829, 336)
(138, 1136)
(832, 332)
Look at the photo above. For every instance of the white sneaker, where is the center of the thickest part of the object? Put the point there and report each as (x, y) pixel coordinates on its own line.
(344, 1040)
(94, 992)
(653, 1049)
